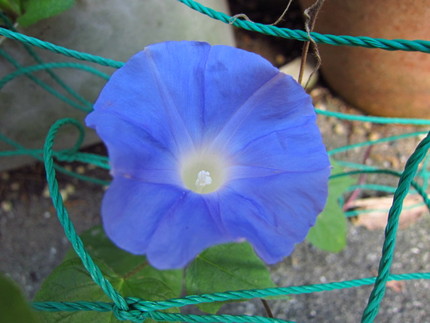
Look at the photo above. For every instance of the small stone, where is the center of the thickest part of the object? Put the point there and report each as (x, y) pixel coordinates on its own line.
(80, 169)
(359, 130)
(64, 194)
(415, 251)
(46, 193)
(321, 105)
(14, 186)
(339, 129)
(374, 136)
(6, 206)
(280, 59)
(366, 125)
(70, 189)
(5, 176)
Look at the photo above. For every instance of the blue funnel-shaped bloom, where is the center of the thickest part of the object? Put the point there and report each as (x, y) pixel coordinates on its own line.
(208, 145)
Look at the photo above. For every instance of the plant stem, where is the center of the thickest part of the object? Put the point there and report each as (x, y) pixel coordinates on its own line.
(267, 308)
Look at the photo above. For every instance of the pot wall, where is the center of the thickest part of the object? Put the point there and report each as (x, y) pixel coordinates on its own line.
(379, 82)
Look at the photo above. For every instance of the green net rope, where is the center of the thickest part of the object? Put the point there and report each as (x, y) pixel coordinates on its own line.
(396, 44)
(137, 310)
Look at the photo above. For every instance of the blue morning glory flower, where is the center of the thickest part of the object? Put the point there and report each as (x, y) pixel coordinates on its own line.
(208, 145)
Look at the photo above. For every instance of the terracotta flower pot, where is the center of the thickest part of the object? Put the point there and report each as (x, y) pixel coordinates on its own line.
(379, 82)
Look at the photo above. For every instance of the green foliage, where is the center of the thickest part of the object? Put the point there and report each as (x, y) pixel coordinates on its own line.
(35, 10)
(226, 267)
(330, 230)
(130, 275)
(13, 306)
(11, 7)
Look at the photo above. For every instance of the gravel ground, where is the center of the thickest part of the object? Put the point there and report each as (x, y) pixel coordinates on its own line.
(404, 302)
(32, 242)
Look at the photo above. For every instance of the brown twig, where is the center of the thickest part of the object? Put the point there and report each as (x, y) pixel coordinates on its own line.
(310, 14)
(267, 308)
(283, 14)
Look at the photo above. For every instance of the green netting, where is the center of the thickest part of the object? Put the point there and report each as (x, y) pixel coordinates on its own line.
(137, 310)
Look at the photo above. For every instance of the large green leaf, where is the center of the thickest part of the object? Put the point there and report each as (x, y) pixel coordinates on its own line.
(35, 10)
(122, 262)
(226, 267)
(13, 306)
(330, 230)
(130, 275)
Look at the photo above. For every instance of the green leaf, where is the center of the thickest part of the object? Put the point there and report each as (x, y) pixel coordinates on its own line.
(130, 275)
(11, 7)
(13, 306)
(35, 10)
(330, 230)
(226, 267)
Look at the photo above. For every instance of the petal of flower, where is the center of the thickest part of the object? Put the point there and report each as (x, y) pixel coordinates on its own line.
(170, 226)
(274, 213)
(132, 211)
(179, 69)
(276, 105)
(297, 149)
(161, 90)
(189, 227)
(232, 76)
(134, 151)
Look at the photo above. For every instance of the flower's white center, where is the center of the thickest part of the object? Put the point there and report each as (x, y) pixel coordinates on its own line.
(203, 172)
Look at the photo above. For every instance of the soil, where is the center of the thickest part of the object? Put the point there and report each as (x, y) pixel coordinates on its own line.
(32, 242)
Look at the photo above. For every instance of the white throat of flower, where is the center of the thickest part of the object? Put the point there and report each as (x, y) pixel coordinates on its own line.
(203, 172)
